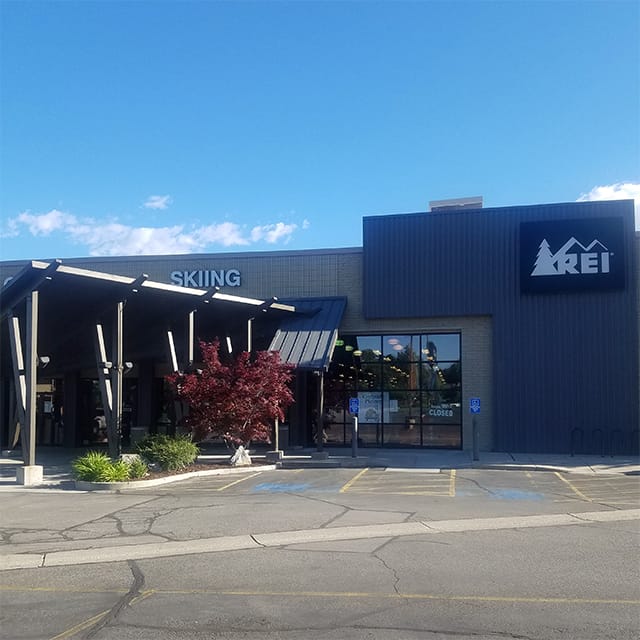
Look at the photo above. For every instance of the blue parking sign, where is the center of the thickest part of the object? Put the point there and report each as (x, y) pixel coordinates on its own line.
(474, 405)
(354, 405)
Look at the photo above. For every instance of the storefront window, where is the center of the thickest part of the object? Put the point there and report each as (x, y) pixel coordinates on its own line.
(405, 347)
(409, 388)
(444, 346)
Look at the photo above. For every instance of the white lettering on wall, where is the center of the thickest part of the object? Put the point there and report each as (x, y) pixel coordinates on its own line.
(572, 258)
(206, 278)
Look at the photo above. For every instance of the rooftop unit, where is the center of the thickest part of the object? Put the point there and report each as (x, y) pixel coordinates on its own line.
(455, 204)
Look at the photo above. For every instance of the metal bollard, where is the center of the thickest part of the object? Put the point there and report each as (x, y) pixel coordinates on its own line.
(476, 438)
(354, 438)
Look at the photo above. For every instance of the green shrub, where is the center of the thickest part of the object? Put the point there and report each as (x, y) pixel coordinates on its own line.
(118, 471)
(171, 453)
(138, 469)
(95, 466)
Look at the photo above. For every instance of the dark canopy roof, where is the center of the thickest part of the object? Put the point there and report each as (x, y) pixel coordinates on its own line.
(308, 338)
(72, 300)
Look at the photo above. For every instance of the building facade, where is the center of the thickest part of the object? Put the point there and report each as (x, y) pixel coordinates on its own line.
(518, 324)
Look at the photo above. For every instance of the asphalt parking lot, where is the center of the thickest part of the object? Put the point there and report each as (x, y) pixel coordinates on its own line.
(617, 491)
(327, 554)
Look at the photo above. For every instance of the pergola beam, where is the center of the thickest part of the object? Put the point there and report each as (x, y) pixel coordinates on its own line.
(104, 380)
(17, 358)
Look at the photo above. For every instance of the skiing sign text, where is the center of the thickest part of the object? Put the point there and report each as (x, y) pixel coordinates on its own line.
(571, 255)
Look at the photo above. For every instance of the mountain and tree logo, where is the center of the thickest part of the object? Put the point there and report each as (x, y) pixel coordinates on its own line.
(572, 258)
(564, 255)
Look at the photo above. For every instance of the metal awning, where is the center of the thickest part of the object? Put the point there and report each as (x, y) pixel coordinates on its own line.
(308, 338)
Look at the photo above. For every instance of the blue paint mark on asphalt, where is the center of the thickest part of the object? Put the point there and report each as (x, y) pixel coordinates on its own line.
(515, 494)
(280, 487)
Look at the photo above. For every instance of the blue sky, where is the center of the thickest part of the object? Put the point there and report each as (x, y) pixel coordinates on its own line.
(180, 127)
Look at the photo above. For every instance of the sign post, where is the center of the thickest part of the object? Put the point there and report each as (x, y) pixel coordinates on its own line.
(474, 409)
(354, 408)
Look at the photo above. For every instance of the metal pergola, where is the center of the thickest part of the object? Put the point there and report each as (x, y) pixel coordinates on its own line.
(73, 318)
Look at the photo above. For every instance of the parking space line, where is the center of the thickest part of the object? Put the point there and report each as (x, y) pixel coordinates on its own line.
(85, 624)
(574, 489)
(345, 487)
(226, 486)
(438, 485)
(399, 596)
(81, 626)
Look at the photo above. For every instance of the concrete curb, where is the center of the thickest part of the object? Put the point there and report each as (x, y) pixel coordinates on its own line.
(83, 485)
(521, 467)
(305, 536)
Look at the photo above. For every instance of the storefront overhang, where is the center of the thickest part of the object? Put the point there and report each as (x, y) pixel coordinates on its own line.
(308, 338)
(73, 300)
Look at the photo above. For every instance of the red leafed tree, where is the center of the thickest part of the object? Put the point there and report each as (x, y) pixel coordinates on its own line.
(237, 401)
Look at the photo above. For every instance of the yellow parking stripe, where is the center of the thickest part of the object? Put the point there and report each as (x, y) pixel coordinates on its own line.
(345, 487)
(574, 489)
(226, 486)
(81, 626)
(324, 594)
(400, 596)
(438, 485)
(85, 624)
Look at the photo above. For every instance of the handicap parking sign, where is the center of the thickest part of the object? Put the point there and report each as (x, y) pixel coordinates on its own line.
(354, 405)
(474, 405)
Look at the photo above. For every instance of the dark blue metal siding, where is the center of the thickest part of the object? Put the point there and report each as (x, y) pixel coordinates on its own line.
(561, 361)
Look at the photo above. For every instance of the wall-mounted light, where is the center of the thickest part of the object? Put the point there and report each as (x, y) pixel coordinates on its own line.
(43, 361)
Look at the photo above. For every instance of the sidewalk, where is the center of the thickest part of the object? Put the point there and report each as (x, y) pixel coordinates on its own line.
(446, 459)
(57, 462)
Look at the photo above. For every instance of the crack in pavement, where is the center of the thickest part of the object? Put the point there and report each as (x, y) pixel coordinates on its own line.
(348, 508)
(396, 577)
(135, 591)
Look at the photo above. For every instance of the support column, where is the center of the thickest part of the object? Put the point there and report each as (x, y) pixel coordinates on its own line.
(250, 334)
(190, 338)
(115, 431)
(30, 473)
(320, 453)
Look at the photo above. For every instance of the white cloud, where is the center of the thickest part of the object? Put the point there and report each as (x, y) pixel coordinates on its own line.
(114, 239)
(157, 202)
(226, 233)
(45, 223)
(111, 238)
(617, 191)
(272, 233)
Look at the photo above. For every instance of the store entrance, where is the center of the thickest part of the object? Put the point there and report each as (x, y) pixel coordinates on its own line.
(409, 389)
(92, 424)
